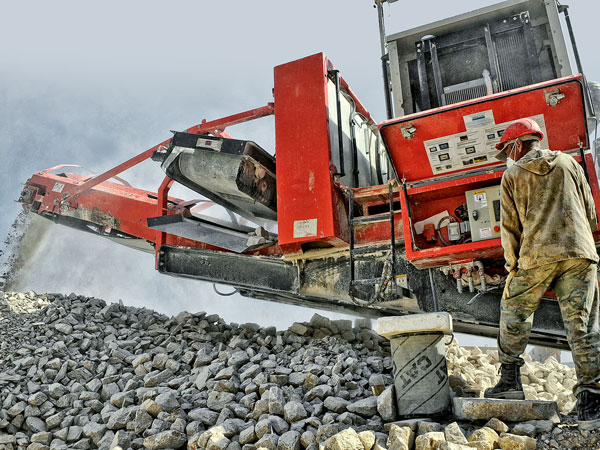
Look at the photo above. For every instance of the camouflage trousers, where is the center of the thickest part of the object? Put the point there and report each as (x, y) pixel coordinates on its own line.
(575, 283)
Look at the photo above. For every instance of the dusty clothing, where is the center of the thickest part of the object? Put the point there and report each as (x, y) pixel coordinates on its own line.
(547, 211)
(575, 284)
(548, 216)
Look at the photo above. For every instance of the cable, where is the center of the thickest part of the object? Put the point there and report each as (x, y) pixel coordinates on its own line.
(352, 124)
(235, 291)
(386, 279)
(480, 293)
(452, 220)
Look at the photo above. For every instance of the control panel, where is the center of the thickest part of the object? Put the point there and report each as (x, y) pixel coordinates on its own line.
(447, 159)
(474, 147)
(484, 213)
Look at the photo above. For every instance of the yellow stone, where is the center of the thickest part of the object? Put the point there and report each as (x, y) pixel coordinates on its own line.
(484, 434)
(347, 439)
(367, 438)
(509, 441)
(400, 438)
(429, 441)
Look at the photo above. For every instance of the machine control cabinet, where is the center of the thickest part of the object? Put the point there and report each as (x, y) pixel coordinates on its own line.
(484, 213)
(428, 192)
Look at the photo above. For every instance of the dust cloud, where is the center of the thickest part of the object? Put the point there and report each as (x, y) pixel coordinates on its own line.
(68, 260)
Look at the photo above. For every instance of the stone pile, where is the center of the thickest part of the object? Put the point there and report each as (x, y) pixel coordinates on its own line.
(76, 372)
(475, 370)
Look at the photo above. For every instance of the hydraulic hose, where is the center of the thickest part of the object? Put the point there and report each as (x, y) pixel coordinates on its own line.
(224, 294)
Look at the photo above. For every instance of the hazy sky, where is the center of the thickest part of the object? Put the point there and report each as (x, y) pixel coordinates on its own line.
(94, 83)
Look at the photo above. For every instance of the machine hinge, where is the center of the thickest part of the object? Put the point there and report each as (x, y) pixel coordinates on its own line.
(408, 131)
(553, 96)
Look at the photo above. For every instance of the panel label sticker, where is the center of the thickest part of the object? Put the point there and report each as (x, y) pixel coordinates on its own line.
(479, 120)
(480, 199)
(213, 144)
(58, 187)
(471, 148)
(485, 233)
(402, 281)
(305, 228)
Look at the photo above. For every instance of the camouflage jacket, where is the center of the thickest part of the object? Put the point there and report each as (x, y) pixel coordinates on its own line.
(547, 211)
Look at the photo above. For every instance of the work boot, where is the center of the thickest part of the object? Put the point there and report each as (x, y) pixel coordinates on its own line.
(509, 387)
(588, 410)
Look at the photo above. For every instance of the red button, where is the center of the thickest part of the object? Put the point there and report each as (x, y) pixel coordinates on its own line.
(497, 229)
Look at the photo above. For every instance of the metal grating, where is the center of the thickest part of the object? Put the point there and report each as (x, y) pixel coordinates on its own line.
(465, 91)
(514, 68)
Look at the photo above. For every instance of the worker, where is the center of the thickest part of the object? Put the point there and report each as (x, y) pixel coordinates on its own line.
(547, 220)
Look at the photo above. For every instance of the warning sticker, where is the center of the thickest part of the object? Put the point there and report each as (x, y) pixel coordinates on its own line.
(485, 233)
(305, 228)
(471, 148)
(402, 281)
(480, 199)
(58, 187)
(213, 144)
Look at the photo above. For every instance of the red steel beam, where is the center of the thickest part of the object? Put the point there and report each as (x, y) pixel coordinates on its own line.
(219, 125)
(216, 127)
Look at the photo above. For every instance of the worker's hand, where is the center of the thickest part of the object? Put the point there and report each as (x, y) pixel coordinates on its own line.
(510, 276)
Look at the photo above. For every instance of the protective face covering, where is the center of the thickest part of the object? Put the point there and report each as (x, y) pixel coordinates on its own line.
(510, 160)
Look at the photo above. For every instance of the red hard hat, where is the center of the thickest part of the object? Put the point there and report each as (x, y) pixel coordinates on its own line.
(519, 128)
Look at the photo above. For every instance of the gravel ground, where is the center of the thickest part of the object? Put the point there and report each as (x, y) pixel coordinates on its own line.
(76, 372)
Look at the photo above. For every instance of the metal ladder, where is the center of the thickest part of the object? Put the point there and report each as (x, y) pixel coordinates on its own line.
(389, 269)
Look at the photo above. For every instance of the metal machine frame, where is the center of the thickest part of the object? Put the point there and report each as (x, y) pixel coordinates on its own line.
(347, 240)
(362, 256)
(539, 20)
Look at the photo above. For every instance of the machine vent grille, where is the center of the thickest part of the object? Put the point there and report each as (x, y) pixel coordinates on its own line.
(465, 91)
(512, 60)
